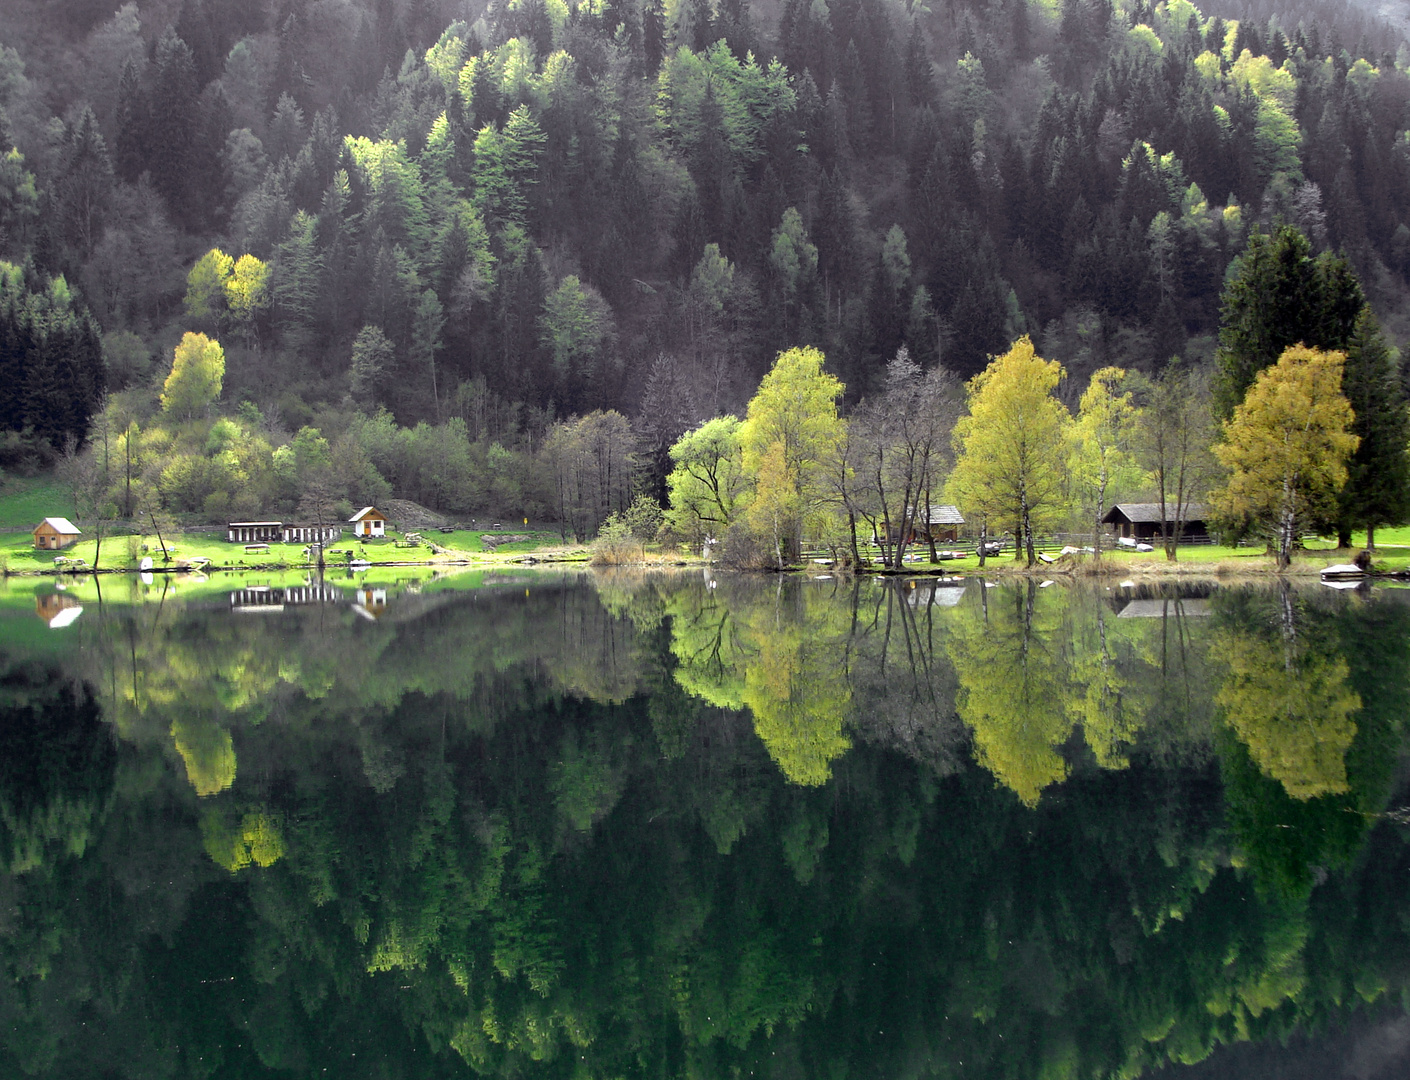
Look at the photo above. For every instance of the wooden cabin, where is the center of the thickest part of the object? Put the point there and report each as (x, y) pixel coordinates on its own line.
(1143, 522)
(310, 534)
(54, 533)
(941, 523)
(369, 521)
(254, 532)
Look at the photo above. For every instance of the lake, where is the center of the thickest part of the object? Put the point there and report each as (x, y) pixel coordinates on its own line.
(611, 825)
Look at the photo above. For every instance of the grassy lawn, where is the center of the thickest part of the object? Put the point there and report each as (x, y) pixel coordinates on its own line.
(1392, 555)
(19, 555)
(26, 501)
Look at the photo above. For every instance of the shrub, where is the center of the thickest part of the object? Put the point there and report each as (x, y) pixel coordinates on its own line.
(616, 544)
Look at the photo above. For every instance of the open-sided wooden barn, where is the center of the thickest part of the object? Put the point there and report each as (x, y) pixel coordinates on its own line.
(254, 532)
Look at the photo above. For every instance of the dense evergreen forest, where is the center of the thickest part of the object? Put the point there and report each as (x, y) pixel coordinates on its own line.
(426, 231)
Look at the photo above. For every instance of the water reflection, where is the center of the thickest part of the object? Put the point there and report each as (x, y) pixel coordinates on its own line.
(642, 824)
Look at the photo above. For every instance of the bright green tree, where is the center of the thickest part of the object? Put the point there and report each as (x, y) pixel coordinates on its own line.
(791, 434)
(707, 483)
(197, 372)
(205, 286)
(247, 294)
(1102, 458)
(1011, 449)
(1286, 447)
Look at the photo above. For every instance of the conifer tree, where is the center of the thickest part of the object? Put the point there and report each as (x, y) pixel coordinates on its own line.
(1377, 490)
(1282, 295)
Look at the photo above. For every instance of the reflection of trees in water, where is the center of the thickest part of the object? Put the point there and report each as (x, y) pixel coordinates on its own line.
(1011, 669)
(434, 850)
(778, 652)
(1286, 696)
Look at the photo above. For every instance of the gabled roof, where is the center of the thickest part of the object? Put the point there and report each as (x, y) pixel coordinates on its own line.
(367, 511)
(1150, 512)
(60, 525)
(945, 515)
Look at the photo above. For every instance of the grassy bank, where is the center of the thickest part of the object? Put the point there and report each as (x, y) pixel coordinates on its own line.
(126, 552)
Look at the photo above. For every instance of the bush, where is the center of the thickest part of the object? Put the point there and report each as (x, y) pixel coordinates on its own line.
(644, 517)
(743, 550)
(616, 543)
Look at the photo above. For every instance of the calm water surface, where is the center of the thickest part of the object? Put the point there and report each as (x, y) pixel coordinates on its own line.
(665, 827)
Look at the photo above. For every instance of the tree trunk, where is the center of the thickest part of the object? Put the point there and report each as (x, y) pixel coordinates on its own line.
(1371, 537)
(1028, 534)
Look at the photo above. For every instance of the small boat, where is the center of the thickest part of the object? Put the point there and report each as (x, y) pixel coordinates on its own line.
(1343, 572)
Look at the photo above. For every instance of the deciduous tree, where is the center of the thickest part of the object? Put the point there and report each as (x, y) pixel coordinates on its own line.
(708, 484)
(197, 372)
(1011, 449)
(793, 431)
(1286, 447)
(1172, 445)
(1103, 438)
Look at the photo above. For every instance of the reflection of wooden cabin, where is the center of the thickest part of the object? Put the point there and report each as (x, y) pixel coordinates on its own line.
(254, 532)
(309, 534)
(936, 593)
(370, 601)
(369, 521)
(941, 524)
(1159, 609)
(56, 609)
(54, 533)
(1144, 522)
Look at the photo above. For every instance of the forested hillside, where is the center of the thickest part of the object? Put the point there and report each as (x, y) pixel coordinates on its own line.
(483, 219)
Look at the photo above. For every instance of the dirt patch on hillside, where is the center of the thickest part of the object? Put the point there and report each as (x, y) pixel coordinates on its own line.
(491, 541)
(411, 517)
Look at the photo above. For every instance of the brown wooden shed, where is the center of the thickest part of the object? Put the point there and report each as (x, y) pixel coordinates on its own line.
(54, 533)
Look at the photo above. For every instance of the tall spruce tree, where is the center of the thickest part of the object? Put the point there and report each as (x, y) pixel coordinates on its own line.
(1282, 295)
(1377, 490)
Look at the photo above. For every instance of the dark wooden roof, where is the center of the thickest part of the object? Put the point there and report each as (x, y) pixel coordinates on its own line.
(945, 515)
(1149, 512)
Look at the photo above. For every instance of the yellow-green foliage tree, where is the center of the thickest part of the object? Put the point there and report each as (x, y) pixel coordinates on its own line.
(197, 373)
(1102, 458)
(787, 442)
(1011, 448)
(205, 286)
(247, 294)
(1286, 447)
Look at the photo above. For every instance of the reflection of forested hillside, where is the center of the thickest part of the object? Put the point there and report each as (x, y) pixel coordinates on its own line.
(682, 825)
